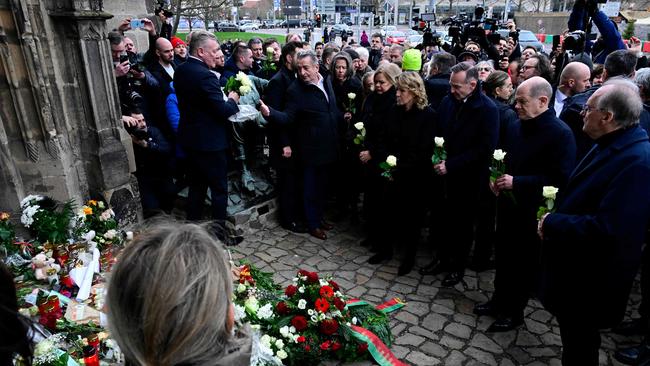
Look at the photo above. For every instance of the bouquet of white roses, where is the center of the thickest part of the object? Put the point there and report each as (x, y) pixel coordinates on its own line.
(239, 83)
(439, 152)
(361, 136)
(549, 193)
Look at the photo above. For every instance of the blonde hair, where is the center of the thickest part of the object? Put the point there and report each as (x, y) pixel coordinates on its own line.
(390, 72)
(169, 298)
(411, 81)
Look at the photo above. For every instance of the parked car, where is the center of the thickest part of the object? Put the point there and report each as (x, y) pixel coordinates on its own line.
(306, 23)
(226, 27)
(526, 38)
(395, 37)
(339, 29)
(346, 20)
(248, 27)
(293, 23)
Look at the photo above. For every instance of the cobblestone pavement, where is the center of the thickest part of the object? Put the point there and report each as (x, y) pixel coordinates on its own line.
(437, 326)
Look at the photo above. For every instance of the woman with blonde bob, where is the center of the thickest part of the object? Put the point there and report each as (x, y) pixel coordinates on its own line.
(408, 137)
(169, 300)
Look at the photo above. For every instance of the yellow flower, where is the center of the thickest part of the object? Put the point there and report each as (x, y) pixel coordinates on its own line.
(92, 203)
(4, 216)
(87, 210)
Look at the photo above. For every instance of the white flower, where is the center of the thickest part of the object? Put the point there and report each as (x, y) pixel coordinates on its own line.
(322, 282)
(314, 318)
(311, 312)
(499, 154)
(301, 289)
(302, 304)
(391, 160)
(244, 89)
(440, 141)
(358, 126)
(351, 95)
(292, 329)
(110, 234)
(269, 49)
(354, 320)
(105, 216)
(279, 344)
(284, 331)
(281, 354)
(100, 204)
(266, 341)
(251, 305)
(241, 288)
(27, 218)
(28, 200)
(549, 192)
(89, 235)
(265, 312)
(295, 279)
(322, 316)
(240, 312)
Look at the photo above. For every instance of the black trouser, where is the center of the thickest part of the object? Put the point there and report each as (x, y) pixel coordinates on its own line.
(580, 340)
(372, 203)
(484, 241)
(289, 194)
(457, 228)
(156, 193)
(315, 181)
(207, 169)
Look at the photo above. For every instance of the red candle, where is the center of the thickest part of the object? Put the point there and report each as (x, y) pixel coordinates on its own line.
(91, 357)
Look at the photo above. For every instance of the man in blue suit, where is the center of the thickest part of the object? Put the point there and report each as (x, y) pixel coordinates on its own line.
(592, 243)
(203, 127)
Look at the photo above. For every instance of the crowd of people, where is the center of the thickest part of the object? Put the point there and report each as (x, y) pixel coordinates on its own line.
(353, 129)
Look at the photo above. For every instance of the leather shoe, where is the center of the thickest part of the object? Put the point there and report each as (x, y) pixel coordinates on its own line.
(504, 324)
(326, 226)
(486, 308)
(632, 327)
(295, 227)
(406, 266)
(318, 233)
(452, 279)
(639, 355)
(434, 268)
(380, 257)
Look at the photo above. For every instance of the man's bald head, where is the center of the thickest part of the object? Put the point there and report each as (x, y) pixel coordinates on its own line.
(537, 87)
(163, 43)
(532, 97)
(575, 78)
(164, 51)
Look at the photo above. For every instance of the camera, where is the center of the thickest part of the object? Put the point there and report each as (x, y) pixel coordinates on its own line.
(575, 41)
(138, 133)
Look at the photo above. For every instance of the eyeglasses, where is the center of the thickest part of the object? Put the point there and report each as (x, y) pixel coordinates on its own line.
(486, 69)
(527, 67)
(587, 108)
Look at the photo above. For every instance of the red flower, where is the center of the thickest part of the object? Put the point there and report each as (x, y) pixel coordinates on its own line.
(336, 346)
(328, 326)
(302, 272)
(340, 304)
(301, 339)
(291, 290)
(312, 277)
(282, 308)
(362, 348)
(334, 285)
(322, 305)
(300, 322)
(325, 345)
(307, 348)
(326, 292)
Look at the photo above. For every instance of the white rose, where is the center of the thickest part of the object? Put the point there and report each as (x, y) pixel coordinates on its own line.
(269, 49)
(358, 126)
(241, 288)
(352, 95)
(440, 141)
(295, 279)
(314, 318)
(354, 320)
(100, 204)
(499, 154)
(301, 289)
(265, 312)
(322, 282)
(244, 89)
(281, 354)
(279, 344)
(302, 304)
(311, 312)
(391, 160)
(292, 329)
(110, 234)
(251, 305)
(284, 331)
(266, 340)
(549, 192)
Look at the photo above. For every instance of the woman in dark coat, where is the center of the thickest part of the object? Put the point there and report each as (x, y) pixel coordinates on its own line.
(348, 92)
(408, 136)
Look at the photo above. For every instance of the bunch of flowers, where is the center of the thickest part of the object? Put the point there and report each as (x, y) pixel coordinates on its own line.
(439, 152)
(549, 193)
(239, 83)
(7, 234)
(96, 217)
(48, 220)
(361, 136)
(48, 352)
(268, 65)
(388, 167)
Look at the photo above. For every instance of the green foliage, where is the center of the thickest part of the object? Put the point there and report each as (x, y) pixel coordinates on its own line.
(52, 222)
(629, 30)
(373, 320)
(7, 234)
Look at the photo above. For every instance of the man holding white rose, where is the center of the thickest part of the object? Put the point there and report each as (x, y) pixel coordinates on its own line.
(591, 247)
(538, 151)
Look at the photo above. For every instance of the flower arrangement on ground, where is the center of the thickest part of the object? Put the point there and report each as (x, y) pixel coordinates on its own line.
(47, 219)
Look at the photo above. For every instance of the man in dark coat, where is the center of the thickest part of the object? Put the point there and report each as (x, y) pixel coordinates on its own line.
(240, 61)
(311, 107)
(376, 50)
(592, 242)
(437, 86)
(469, 124)
(540, 151)
(280, 143)
(203, 128)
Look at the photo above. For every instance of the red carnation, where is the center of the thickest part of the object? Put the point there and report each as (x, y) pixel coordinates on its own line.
(336, 346)
(291, 290)
(312, 277)
(362, 348)
(302, 272)
(326, 292)
(307, 348)
(300, 322)
(282, 308)
(340, 304)
(334, 285)
(301, 339)
(325, 345)
(322, 305)
(328, 326)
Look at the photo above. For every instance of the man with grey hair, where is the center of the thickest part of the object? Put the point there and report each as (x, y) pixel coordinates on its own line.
(361, 64)
(592, 242)
(540, 152)
(468, 121)
(311, 110)
(437, 85)
(203, 129)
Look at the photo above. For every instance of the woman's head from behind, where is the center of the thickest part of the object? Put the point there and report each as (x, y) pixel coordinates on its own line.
(410, 90)
(386, 77)
(498, 85)
(169, 298)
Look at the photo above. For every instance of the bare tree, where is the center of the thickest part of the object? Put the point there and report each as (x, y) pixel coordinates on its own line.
(205, 10)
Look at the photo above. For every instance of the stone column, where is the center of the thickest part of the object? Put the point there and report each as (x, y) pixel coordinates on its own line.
(60, 128)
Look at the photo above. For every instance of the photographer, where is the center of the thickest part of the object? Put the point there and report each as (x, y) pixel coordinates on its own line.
(152, 154)
(611, 38)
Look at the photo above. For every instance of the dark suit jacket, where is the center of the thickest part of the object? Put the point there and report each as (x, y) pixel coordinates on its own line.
(317, 122)
(571, 116)
(592, 246)
(470, 130)
(275, 97)
(204, 113)
(437, 88)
